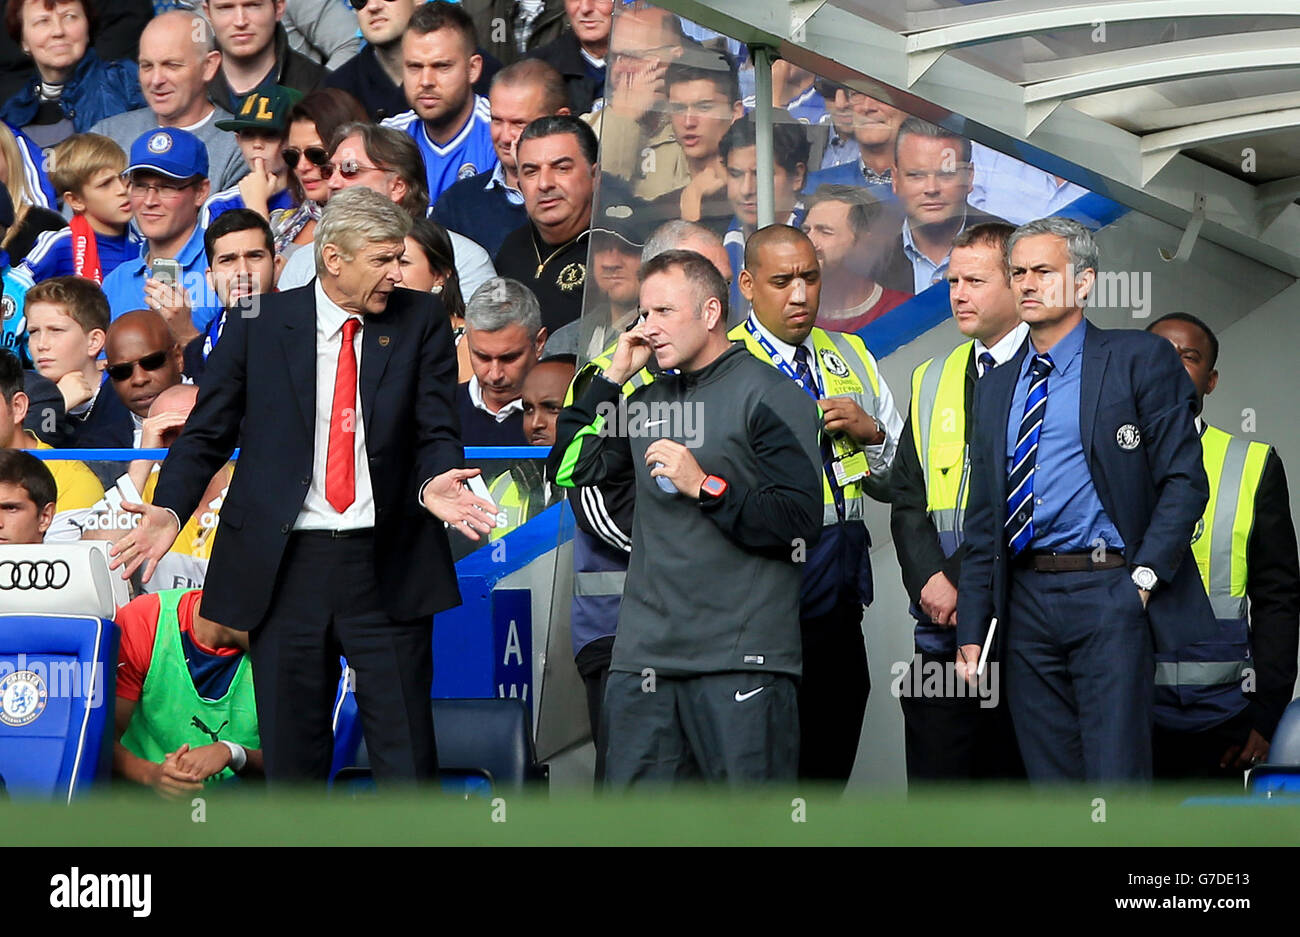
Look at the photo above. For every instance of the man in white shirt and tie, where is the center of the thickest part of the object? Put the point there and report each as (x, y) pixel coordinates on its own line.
(340, 397)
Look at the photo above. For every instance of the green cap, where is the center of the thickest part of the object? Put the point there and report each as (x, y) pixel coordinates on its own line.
(264, 110)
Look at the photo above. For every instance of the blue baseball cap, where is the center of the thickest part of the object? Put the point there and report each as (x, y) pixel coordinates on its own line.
(175, 153)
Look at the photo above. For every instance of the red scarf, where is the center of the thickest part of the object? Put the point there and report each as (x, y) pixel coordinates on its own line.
(85, 250)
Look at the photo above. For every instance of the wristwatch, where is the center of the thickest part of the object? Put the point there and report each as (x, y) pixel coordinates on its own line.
(713, 486)
(1145, 578)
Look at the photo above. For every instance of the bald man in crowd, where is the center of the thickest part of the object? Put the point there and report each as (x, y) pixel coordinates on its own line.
(144, 359)
(178, 57)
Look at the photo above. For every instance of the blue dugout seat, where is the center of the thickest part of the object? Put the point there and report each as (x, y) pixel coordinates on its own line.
(58, 667)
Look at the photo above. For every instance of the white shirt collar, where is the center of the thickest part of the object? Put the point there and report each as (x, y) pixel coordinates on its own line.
(1005, 348)
(476, 398)
(785, 349)
(330, 316)
(1200, 424)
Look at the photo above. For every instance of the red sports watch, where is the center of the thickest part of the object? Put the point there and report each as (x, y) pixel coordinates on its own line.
(713, 486)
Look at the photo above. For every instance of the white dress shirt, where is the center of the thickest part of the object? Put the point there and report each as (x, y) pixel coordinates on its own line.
(1003, 350)
(476, 398)
(317, 513)
(880, 455)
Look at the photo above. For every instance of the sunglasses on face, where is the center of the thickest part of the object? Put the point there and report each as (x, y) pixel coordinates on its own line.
(316, 155)
(150, 362)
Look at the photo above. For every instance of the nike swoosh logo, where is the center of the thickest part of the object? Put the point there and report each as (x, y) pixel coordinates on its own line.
(741, 697)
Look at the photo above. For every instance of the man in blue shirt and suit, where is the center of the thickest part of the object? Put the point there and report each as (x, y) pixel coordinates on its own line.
(1086, 485)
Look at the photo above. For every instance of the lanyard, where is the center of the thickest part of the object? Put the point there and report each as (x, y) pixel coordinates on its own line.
(781, 365)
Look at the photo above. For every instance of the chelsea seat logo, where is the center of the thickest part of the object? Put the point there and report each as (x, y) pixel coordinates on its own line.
(22, 698)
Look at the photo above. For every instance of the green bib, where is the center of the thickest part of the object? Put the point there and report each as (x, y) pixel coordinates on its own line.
(164, 718)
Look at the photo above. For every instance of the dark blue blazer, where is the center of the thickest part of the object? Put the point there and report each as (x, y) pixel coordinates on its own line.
(259, 390)
(1154, 493)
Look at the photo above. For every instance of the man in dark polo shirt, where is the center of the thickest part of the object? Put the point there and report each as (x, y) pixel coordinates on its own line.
(556, 158)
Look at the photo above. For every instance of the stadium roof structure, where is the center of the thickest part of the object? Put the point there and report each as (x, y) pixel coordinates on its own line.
(1187, 110)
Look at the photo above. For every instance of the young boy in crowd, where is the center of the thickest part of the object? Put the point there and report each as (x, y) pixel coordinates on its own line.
(86, 170)
(67, 325)
(262, 128)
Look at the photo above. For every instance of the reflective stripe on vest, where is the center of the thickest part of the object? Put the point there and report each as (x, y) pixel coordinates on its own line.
(939, 434)
(1234, 467)
(1199, 672)
(850, 350)
(603, 583)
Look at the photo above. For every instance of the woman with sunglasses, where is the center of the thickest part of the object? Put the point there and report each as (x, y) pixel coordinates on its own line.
(429, 265)
(312, 122)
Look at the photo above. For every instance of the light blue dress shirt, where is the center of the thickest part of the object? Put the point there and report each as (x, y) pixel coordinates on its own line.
(1068, 515)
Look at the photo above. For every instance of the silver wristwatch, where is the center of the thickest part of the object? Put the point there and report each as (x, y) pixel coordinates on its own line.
(1144, 577)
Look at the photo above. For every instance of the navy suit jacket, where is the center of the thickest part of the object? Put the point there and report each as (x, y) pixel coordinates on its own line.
(1154, 493)
(259, 390)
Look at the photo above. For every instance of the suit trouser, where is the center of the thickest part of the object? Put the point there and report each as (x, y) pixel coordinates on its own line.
(326, 603)
(1080, 675)
(731, 728)
(833, 691)
(955, 738)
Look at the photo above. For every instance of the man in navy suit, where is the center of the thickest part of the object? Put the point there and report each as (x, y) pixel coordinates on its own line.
(331, 539)
(1086, 485)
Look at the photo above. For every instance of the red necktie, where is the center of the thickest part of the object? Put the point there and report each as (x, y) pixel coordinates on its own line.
(340, 457)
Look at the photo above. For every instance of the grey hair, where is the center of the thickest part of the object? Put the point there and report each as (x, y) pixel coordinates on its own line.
(671, 235)
(1078, 240)
(358, 216)
(501, 302)
(202, 34)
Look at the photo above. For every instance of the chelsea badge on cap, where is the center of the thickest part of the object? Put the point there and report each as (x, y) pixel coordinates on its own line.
(160, 143)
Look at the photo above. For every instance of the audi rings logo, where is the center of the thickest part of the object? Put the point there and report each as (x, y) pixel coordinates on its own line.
(34, 574)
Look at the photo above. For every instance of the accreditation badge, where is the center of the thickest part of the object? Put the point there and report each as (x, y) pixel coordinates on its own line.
(850, 468)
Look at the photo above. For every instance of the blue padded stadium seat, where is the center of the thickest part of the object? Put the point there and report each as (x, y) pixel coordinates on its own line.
(1280, 773)
(484, 745)
(1285, 747)
(346, 723)
(58, 669)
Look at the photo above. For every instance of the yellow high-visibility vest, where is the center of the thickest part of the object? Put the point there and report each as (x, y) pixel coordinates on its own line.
(939, 435)
(846, 371)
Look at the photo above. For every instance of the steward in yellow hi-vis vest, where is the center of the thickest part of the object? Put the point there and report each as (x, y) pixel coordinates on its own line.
(860, 432)
(1218, 701)
(952, 732)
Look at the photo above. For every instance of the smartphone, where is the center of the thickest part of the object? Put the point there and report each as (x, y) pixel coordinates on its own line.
(165, 271)
(480, 488)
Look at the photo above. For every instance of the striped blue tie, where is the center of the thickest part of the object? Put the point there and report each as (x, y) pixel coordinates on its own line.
(1020, 482)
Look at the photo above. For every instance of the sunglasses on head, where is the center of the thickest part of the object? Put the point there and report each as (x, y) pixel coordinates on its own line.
(316, 155)
(150, 362)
